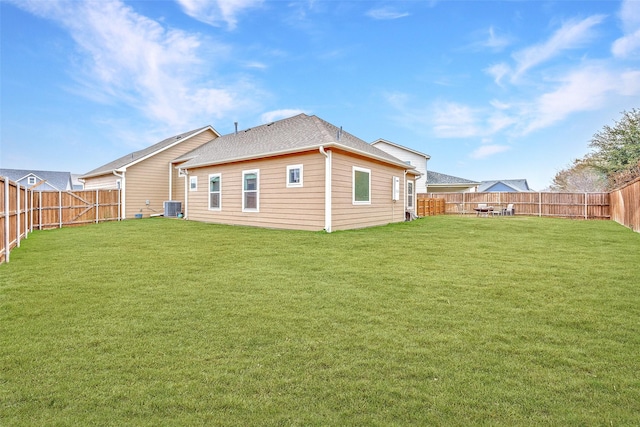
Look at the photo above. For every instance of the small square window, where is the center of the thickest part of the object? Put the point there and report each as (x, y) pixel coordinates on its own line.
(31, 180)
(193, 183)
(294, 176)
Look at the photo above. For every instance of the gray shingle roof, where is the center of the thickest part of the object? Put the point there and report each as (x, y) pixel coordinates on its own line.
(435, 178)
(294, 134)
(59, 180)
(124, 161)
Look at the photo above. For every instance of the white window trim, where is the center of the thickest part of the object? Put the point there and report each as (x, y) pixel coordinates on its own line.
(294, 184)
(31, 180)
(411, 184)
(193, 179)
(353, 185)
(257, 208)
(219, 208)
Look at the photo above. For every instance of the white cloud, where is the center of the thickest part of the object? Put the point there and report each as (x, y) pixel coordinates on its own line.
(451, 120)
(485, 151)
(216, 12)
(128, 58)
(272, 116)
(587, 88)
(385, 14)
(628, 45)
(571, 35)
(498, 72)
(493, 41)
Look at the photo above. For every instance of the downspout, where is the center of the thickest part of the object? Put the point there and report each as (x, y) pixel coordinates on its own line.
(327, 188)
(122, 195)
(170, 181)
(404, 214)
(186, 192)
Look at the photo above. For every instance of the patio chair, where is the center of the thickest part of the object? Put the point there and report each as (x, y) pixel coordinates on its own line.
(461, 210)
(509, 210)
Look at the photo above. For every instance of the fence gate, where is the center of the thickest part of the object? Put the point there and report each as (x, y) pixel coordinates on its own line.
(55, 209)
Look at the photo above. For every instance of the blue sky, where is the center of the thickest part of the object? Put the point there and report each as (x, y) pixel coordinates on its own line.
(489, 89)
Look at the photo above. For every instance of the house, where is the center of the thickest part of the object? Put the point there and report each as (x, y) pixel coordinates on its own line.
(149, 177)
(409, 156)
(443, 183)
(505, 186)
(297, 173)
(43, 180)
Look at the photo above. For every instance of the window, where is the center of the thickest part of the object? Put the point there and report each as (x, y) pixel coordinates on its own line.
(294, 176)
(31, 180)
(409, 194)
(215, 187)
(193, 183)
(361, 186)
(250, 185)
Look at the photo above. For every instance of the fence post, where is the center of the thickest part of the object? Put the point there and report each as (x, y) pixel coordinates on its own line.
(97, 205)
(39, 210)
(60, 208)
(7, 240)
(585, 205)
(539, 204)
(17, 215)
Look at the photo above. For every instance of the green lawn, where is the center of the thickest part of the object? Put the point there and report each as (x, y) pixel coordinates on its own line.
(441, 321)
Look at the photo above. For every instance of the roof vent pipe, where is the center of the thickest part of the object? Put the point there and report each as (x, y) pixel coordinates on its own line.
(236, 124)
(339, 133)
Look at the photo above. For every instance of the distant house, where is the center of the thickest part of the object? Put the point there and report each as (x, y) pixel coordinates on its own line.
(149, 177)
(297, 173)
(442, 183)
(409, 156)
(505, 186)
(43, 180)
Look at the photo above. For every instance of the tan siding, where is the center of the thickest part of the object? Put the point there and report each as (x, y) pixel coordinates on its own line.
(149, 179)
(279, 207)
(382, 210)
(101, 182)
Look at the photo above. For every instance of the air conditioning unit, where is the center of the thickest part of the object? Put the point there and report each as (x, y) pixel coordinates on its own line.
(172, 208)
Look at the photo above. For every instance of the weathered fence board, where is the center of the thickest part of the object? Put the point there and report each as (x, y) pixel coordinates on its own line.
(23, 210)
(429, 206)
(566, 205)
(625, 205)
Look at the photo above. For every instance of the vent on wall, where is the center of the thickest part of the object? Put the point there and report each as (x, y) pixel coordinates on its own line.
(172, 208)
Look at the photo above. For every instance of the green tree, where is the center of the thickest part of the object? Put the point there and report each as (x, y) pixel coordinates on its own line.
(617, 148)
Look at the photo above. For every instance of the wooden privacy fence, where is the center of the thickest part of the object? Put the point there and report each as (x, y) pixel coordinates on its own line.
(55, 209)
(566, 205)
(430, 206)
(23, 210)
(625, 205)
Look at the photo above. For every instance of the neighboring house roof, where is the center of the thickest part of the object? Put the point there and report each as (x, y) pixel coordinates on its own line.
(130, 159)
(58, 180)
(436, 178)
(402, 147)
(519, 185)
(291, 135)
